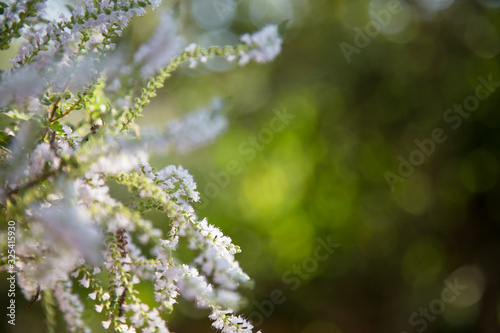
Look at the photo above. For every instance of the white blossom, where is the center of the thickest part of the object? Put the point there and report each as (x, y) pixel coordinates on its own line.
(164, 45)
(68, 224)
(42, 155)
(93, 295)
(20, 86)
(198, 127)
(85, 282)
(191, 50)
(63, 178)
(227, 322)
(106, 324)
(70, 305)
(265, 45)
(174, 180)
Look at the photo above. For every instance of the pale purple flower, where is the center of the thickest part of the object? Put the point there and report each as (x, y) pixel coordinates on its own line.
(164, 45)
(93, 295)
(106, 324)
(265, 45)
(85, 282)
(70, 305)
(198, 127)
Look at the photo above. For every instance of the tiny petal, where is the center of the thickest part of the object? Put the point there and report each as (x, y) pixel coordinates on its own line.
(135, 280)
(191, 48)
(85, 282)
(93, 295)
(75, 273)
(264, 45)
(106, 324)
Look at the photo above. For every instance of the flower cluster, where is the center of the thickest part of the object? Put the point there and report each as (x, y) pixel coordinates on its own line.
(56, 175)
(265, 45)
(262, 46)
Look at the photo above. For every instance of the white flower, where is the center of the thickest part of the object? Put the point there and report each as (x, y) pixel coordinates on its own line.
(68, 225)
(192, 62)
(218, 324)
(199, 127)
(233, 324)
(124, 328)
(70, 305)
(135, 280)
(230, 57)
(75, 273)
(264, 45)
(244, 58)
(85, 282)
(155, 4)
(61, 182)
(120, 290)
(34, 104)
(228, 298)
(164, 45)
(72, 137)
(106, 324)
(42, 155)
(135, 307)
(191, 48)
(21, 85)
(143, 238)
(64, 149)
(93, 295)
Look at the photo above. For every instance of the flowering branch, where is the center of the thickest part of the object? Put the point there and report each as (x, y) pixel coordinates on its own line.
(55, 173)
(12, 31)
(157, 82)
(78, 104)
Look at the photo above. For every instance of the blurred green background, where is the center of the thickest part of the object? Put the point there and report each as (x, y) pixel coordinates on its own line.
(324, 175)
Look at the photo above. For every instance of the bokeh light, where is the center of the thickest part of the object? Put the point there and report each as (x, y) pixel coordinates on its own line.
(324, 174)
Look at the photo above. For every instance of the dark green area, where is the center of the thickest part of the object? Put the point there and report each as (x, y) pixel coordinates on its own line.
(324, 174)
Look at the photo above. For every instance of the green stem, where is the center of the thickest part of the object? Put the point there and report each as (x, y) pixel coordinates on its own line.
(49, 307)
(164, 73)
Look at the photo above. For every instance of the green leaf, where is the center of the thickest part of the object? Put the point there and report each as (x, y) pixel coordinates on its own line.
(56, 126)
(45, 101)
(4, 139)
(14, 114)
(95, 114)
(53, 98)
(283, 27)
